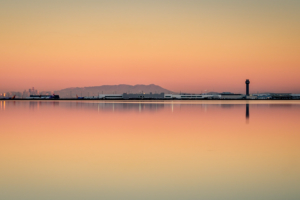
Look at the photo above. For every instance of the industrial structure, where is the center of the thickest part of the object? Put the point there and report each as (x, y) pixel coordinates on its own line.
(247, 87)
(162, 96)
(43, 97)
(191, 96)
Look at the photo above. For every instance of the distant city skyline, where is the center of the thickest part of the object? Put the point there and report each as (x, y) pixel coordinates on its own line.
(240, 89)
(115, 89)
(188, 46)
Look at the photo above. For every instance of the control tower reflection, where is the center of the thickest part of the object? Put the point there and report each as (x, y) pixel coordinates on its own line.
(247, 111)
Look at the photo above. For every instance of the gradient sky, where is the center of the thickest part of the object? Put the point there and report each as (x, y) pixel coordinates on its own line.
(187, 45)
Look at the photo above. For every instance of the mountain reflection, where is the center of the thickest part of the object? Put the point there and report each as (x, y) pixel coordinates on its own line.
(118, 107)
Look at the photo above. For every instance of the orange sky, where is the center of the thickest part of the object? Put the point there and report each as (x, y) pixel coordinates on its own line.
(188, 46)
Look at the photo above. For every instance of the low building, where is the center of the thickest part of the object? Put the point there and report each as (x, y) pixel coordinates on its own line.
(143, 96)
(127, 96)
(232, 96)
(251, 97)
(191, 96)
(263, 96)
(295, 96)
(281, 95)
(110, 96)
(43, 97)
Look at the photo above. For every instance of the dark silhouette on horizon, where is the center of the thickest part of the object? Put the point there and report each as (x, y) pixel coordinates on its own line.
(247, 87)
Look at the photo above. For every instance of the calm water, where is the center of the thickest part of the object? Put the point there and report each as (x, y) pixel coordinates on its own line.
(150, 150)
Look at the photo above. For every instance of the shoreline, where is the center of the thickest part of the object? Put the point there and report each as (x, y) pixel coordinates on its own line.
(72, 99)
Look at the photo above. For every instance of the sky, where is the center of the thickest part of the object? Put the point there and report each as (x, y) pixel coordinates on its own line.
(188, 45)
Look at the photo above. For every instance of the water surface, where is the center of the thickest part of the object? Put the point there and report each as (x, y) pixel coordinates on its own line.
(150, 150)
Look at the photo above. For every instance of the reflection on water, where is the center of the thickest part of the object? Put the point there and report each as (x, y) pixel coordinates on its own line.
(119, 106)
(37, 104)
(247, 111)
(149, 150)
(138, 106)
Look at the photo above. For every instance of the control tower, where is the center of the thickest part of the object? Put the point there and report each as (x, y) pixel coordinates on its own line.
(247, 87)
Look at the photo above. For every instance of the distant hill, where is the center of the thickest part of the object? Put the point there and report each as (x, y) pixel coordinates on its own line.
(110, 89)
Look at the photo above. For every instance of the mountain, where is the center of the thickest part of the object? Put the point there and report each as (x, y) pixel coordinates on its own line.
(110, 89)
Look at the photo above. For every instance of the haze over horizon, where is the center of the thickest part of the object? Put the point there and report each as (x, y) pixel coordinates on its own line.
(187, 46)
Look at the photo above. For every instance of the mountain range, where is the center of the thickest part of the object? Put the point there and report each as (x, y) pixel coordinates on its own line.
(110, 89)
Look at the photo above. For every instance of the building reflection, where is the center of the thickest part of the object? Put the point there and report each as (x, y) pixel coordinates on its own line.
(124, 107)
(38, 104)
(2, 105)
(247, 111)
(116, 107)
(149, 107)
